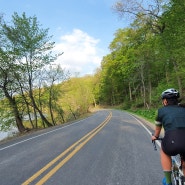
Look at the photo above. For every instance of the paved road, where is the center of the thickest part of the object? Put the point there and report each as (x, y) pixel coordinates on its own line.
(109, 148)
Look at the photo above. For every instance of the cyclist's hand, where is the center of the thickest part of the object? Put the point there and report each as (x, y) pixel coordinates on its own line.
(153, 138)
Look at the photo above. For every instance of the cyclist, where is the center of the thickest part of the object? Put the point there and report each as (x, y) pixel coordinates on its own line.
(172, 118)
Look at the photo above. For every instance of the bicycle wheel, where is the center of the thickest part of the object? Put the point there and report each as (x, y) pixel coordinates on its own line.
(183, 180)
(178, 181)
(175, 182)
(175, 178)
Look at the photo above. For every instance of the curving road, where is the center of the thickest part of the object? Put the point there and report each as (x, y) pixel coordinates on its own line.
(110, 147)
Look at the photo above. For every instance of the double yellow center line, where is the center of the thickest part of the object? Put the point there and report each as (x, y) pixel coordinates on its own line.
(66, 155)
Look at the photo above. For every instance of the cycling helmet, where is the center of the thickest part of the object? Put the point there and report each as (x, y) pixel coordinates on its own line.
(170, 94)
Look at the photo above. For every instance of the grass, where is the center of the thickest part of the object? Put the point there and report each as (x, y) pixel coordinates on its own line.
(147, 114)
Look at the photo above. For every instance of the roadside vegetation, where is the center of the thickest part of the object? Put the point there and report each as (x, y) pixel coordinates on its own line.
(145, 59)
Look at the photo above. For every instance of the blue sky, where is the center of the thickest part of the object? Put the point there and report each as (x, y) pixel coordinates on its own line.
(82, 29)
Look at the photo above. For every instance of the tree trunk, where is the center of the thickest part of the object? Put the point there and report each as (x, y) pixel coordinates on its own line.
(178, 76)
(130, 91)
(13, 105)
(27, 105)
(35, 107)
(143, 85)
(50, 109)
(150, 92)
(39, 111)
(74, 115)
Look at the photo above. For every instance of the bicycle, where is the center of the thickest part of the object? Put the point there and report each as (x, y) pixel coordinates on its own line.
(177, 174)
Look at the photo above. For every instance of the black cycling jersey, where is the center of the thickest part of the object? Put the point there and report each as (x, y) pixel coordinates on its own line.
(171, 117)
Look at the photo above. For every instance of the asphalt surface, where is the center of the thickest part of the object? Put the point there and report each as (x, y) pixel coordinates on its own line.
(111, 147)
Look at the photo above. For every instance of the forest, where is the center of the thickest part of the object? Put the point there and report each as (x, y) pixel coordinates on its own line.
(145, 59)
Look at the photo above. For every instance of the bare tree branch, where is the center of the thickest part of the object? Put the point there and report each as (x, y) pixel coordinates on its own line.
(149, 10)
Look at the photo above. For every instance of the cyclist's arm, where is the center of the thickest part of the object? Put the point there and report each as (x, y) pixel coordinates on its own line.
(158, 127)
(157, 131)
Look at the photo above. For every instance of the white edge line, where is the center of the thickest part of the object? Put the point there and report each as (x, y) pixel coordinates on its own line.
(158, 143)
(38, 136)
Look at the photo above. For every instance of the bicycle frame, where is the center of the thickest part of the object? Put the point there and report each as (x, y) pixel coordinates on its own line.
(177, 173)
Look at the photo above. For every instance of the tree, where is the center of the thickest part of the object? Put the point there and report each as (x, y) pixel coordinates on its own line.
(172, 41)
(148, 11)
(25, 50)
(146, 57)
(8, 69)
(51, 77)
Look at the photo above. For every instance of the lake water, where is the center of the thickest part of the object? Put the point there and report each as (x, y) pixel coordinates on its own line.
(4, 135)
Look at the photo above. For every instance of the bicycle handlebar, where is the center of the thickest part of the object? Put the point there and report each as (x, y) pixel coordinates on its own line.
(154, 144)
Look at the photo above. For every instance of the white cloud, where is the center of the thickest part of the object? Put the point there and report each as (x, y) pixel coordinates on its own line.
(81, 53)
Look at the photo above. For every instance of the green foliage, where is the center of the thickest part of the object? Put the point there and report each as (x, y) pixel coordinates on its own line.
(145, 59)
(79, 96)
(7, 120)
(148, 114)
(25, 56)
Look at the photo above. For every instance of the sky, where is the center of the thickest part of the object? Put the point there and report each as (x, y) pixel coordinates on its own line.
(81, 29)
